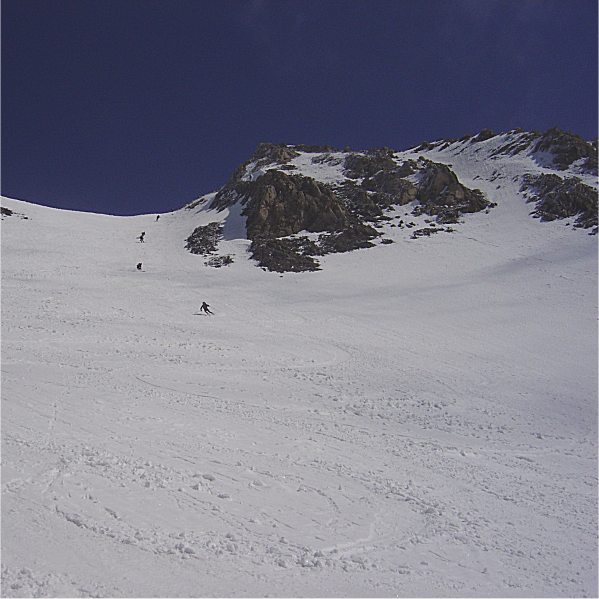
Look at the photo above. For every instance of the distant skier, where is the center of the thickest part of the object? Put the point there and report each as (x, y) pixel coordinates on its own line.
(139, 266)
(157, 217)
(141, 237)
(205, 308)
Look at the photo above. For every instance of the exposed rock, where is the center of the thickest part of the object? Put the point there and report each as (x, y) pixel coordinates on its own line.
(376, 194)
(428, 231)
(366, 165)
(265, 154)
(484, 135)
(427, 145)
(393, 184)
(558, 198)
(219, 261)
(233, 189)
(356, 236)
(381, 176)
(313, 149)
(520, 143)
(279, 204)
(441, 194)
(204, 240)
(277, 153)
(567, 148)
(195, 203)
(6, 212)
(327, 159)
(285, 255)
(362, 204)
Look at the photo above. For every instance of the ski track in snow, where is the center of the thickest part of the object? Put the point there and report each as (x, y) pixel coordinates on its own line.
(416, 419)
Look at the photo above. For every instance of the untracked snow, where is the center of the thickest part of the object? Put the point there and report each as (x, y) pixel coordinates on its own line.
(416, 419)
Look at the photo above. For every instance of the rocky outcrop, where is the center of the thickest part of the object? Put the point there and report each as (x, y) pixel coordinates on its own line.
(354, 237)
(520, 142)
(562, 148)
(274, 153)
(285, 255)
(219, 261)
(327, 159)
(366, 165)
(6, 212)
(428, 231)
(204, 240)
(558, 198)
(393, 184)
(264, 155)
(566, 149)
(364, 190)
(369, 200)
(483, 136)
(440, 194)
(279, 205)
(312, 149)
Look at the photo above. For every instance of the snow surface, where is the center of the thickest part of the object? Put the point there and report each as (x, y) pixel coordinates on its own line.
(416, 419)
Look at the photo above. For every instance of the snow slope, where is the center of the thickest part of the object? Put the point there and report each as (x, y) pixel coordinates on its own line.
(416, 419)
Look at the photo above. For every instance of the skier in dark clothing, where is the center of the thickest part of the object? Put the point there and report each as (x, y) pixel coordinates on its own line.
(157, 216)
(205, 308)
(141, 237)
(139, 266)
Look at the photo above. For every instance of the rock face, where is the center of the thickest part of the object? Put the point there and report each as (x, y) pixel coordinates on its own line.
(441, 194)
(562, 148)
(204, 240)
(279, 153)
(522, 142)
(265, 154)
(558, 198)
(484, 135)
(302, 202)
(279, 204)
(567, 148)
(371, 162)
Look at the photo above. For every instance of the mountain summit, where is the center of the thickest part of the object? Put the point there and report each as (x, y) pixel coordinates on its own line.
(300, 202)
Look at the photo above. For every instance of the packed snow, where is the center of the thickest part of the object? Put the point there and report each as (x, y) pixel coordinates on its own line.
(415, 419)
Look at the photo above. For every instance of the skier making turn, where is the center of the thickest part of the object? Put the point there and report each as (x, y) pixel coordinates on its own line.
(205, 308)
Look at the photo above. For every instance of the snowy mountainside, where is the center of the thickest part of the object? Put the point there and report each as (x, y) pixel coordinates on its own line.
(418, 418)
(302, 202)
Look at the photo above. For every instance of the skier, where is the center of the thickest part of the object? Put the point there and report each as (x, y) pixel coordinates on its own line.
(205, 308)
(157, 217)
(141, 237)
(139, 266)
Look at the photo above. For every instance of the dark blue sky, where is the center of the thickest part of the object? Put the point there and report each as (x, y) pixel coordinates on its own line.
(135, 106)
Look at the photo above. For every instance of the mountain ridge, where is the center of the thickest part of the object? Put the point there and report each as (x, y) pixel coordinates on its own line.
(303, 201)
